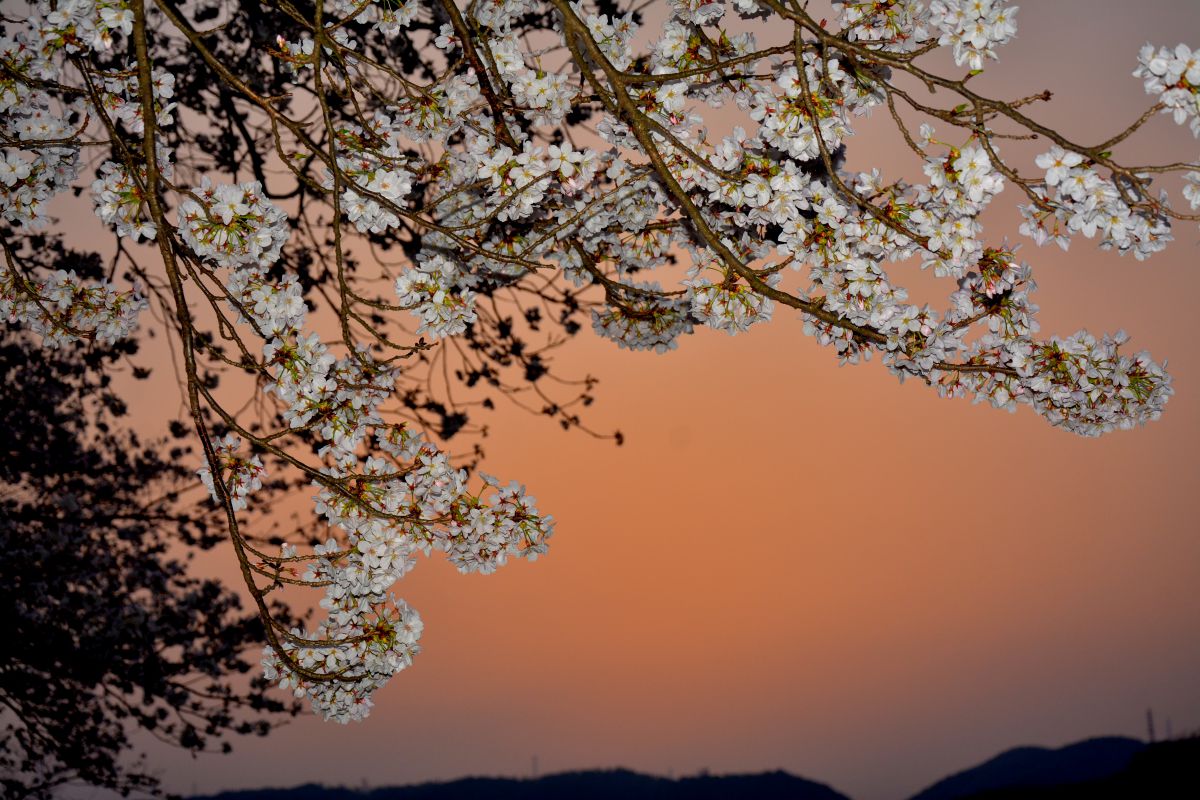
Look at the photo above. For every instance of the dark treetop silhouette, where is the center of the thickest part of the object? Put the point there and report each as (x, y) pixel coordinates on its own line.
(104, 632)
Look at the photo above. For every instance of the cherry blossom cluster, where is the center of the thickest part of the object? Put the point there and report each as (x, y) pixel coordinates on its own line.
(899, 26)
(120, 199)
(974, 28)
(274, 304)
(644, 319)
(122, 102)
(387, 18)
(724, 302)
(432, 294)
(1082, 201)
(335, 398)
(1084, 383)
(383, 640)
(373, 160)
(232, 224)
(410, 500)
(239, 475)
(32, 174)
(732, 307)
(63, 308)
(822, 99)
(1174, 77)
(75, 25)
(41, 161)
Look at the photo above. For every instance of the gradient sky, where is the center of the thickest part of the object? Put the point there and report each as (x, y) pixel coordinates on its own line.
(800, 566)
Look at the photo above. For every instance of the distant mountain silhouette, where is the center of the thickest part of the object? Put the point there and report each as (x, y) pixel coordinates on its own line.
(1111, 768)
(1164, 771)
(1024, 768)
(591, 785)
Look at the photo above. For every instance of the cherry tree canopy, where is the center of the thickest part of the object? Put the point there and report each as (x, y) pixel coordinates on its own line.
(342, 204)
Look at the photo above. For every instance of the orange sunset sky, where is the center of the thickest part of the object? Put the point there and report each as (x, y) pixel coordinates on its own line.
(800, 566)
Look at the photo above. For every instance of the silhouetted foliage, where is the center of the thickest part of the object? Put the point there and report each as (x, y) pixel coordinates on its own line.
(103, 629)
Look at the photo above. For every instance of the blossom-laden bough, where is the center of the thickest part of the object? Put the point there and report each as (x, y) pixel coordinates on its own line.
(261, 163)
